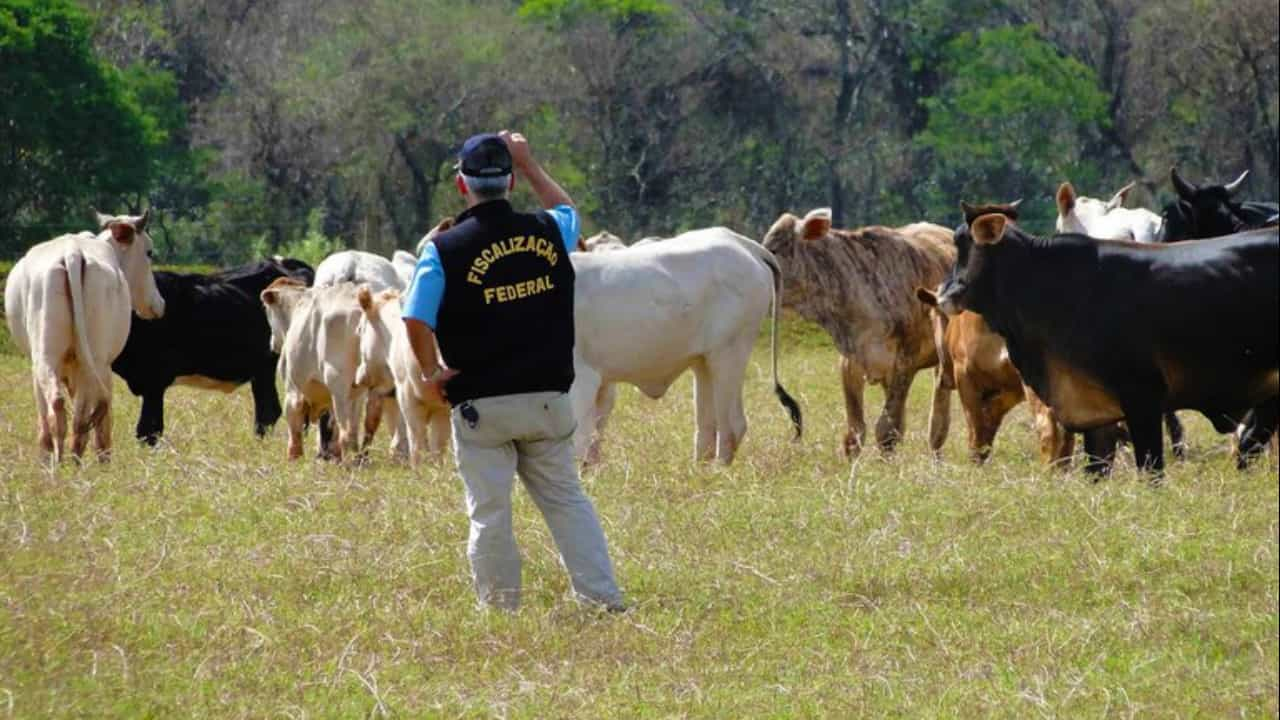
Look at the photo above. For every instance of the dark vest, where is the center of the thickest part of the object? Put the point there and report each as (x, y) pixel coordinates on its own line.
(506, 320)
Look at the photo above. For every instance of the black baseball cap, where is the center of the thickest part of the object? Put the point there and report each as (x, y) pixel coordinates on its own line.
(484, 155)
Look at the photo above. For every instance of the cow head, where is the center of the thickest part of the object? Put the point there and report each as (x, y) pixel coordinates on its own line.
(601, 242)
(279, 300)
(444, 224)
(379, 314)
(1202, 211)
(788, 239)
(1087, 216)
(127, 235)
(969, 286)
(297, 269)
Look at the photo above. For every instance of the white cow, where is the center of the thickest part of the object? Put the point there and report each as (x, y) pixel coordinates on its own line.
(315, 330)
(68, 303)
(378, 273)
(404, 262)
(1106, 220)
(602, 242)
(357, 266)
(646, 314)
(389, 367)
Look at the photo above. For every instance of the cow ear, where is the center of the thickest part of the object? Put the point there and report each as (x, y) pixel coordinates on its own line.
(365, 298)
(816, 224)
(989, 229)
(1066, 198)
(121, 232)
(927, 296)
(1117, 200)
(102, 220)
(269, 297)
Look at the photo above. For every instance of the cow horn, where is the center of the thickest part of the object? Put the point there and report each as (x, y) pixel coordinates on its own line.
(1184, 188)
(102, 220)
(1014, 205)
(141, 224)
(1234, 185)
(1117, 200)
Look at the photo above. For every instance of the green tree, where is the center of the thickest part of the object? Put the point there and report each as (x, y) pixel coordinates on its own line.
(71, 132)
(1013, 118)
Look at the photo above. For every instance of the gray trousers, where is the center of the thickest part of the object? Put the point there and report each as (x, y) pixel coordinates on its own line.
(530, 435)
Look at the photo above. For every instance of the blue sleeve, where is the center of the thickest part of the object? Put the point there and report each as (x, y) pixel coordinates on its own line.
(566, 218)
(426, 290)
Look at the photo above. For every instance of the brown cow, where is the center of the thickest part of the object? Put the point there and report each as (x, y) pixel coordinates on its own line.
(859, 285)
(975, 361)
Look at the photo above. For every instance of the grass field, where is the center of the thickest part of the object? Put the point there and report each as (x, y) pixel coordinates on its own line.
(210, 579)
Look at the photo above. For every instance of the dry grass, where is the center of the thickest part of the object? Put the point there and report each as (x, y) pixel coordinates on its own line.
(210, 578)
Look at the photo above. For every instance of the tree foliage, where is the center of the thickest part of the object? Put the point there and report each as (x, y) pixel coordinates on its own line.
(257, 125)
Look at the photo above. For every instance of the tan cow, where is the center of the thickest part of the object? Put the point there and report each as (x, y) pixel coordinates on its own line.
(68, 304)
(389, 367)
(859, 285)
(315, 332)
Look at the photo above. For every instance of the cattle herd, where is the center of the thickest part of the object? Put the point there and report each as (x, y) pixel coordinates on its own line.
(1106, 328)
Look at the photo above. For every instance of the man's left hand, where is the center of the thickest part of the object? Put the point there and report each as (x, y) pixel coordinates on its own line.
(436, 384)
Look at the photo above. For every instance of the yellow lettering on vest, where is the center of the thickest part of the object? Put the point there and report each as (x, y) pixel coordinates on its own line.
(473, 278)
(487, 256)
(488, 295)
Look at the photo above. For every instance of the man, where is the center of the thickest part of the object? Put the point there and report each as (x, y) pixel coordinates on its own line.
(496, 291)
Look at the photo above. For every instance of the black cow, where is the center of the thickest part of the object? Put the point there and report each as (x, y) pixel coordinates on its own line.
(1105, 330)
(1211, 210)
(214, 334)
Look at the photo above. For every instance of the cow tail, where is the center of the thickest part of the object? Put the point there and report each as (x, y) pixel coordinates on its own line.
(75, 263)
(788, 402)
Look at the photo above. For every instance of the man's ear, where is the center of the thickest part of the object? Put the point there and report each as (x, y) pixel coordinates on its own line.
(988, 229)
(816, 224)
(121, 232)
(927, 296)
(1066, 198)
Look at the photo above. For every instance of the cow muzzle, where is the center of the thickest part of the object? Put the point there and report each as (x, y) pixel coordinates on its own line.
(949, 299)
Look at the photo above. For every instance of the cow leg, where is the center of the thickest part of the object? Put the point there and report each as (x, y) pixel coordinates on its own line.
(1177, 437)
(102, 433)
(373, 408)
(1100, 449)
(414, 416)
(939, 412)
(891, 425)
(582, 396)
(295, 415)
(328, 433)
(728, 368)
(1056, 443)
(347, 402)
(704, 432)
(606, 397)
(1148, 440)
(45, 421)
(439, 430)
(971, 402)
(151, 419)
(87, 412)
(266, 403)
(853, 380)
(1259, 427)
(391, 411)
